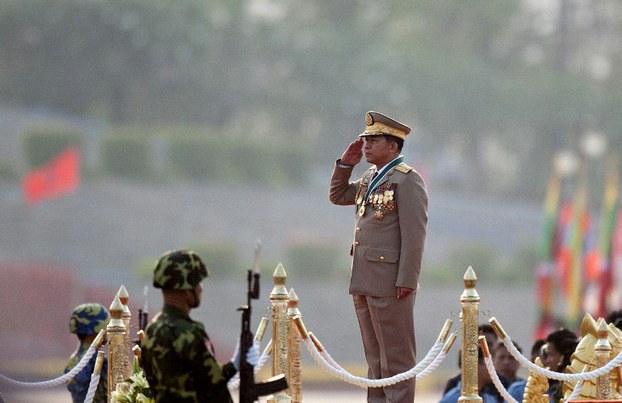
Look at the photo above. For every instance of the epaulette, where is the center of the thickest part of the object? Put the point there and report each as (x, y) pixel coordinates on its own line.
(403, 168)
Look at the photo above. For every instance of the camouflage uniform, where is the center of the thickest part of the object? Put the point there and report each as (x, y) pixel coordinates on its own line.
(178, 360)
(177, 355)
(87, 319)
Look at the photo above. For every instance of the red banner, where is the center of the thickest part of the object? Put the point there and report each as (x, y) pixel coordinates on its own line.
(59, 176)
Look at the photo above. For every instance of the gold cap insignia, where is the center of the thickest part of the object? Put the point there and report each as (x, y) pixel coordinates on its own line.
(378, 124)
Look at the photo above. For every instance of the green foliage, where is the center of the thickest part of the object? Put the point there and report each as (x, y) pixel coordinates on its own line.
(487, 265)
(312, 259)
(293, 162)
(305, 71)
(203, 158)
(220, 257)
(201, 153)
(7, 172)
(127, 156)
(44, 142)
(143, 269)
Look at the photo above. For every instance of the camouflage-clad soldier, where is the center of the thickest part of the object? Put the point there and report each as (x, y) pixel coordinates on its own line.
(177, 356)
(86, 321)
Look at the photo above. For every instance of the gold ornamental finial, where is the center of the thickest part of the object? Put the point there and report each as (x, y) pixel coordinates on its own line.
(279, 292)
(588, 325)
(124, 297)
(292, 302)
(537, 385)
(116, 311)
(470, 281)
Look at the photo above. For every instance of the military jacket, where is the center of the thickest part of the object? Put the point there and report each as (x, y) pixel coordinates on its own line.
(389, 228)
(79, 385)
(178, 360)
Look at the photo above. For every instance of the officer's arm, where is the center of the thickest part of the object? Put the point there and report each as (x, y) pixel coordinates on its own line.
(412, 207)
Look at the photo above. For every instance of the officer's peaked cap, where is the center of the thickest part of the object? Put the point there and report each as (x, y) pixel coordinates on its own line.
(378, 124)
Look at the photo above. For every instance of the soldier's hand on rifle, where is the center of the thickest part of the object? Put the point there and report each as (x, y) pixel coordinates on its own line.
(253, 355)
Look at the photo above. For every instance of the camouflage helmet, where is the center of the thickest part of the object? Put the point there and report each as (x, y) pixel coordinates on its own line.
(179, 270)
(88, 319)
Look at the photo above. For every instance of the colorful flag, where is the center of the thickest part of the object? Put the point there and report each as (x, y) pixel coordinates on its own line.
(607, 228)
(551, 207)
(545, 271)
(563, 258)
(59, 176)
(580, 221)
(614, 299)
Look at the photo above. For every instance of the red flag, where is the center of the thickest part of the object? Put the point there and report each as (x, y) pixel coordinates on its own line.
(59, 176)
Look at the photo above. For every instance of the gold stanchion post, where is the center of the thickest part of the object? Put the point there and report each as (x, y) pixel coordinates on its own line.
(279, 300)
(294, 357)
(469, 317)
(117, 353)
(602, 350)
(126, 317)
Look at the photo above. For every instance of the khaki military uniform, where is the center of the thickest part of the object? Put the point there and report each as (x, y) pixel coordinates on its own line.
(179, 363)
(389, 235)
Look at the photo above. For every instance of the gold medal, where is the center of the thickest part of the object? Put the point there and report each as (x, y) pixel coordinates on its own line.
(362, 210)
(378, 215)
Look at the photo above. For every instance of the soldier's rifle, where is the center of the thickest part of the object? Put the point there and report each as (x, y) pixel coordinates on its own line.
(249, 390)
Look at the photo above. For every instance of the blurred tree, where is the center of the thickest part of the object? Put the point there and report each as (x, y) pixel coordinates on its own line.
(502, 85)
(101, 57)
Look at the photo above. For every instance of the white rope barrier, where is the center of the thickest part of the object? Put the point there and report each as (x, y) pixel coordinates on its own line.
(576, 391)
(558, 375)
(490, 366)
(53, 382)
(427, 360)
(357, 380)
(63, 378)
(90, 394)
(430, 368)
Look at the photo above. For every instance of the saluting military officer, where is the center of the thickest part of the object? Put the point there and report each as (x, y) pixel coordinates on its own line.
(177, 355)
(390, 229)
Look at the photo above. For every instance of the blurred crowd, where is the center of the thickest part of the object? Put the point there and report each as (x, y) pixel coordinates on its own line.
(554, 352)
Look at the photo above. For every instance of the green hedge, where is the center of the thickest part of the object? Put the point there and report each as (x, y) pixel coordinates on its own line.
(204, 154)
(44, 142)
(201, 153)
(199, 158)
(313, 259)
(220, 257)
(126, 153)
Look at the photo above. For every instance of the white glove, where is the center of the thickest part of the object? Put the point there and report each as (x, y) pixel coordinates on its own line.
(252, 356)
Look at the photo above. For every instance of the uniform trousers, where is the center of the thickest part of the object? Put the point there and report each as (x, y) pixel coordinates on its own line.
(387, 330)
